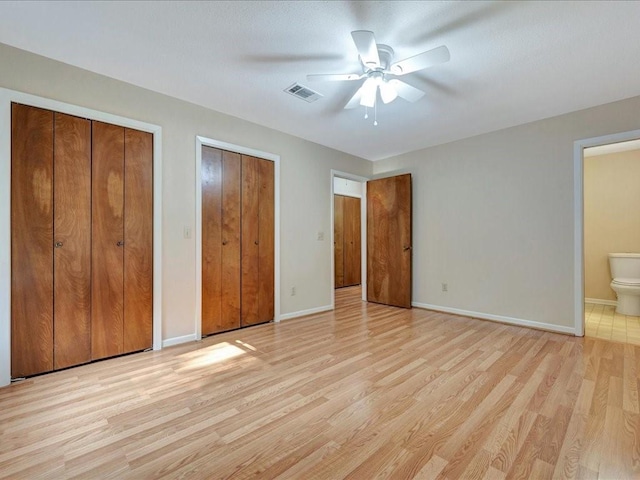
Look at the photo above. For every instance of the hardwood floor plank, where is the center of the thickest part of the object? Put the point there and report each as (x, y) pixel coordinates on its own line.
(366, 391)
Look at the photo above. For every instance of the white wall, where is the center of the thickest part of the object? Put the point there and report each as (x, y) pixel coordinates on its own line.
(305, 176)
(493, 216)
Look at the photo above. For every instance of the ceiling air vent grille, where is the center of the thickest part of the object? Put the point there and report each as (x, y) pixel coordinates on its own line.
(305, 93)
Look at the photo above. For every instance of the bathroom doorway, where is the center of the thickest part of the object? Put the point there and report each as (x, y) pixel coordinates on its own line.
(611, 232)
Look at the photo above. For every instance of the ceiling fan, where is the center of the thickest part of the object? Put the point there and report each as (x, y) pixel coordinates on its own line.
(380, 71)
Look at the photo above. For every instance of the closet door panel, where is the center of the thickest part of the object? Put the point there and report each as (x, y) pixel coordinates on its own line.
(107, 257)
(230, 266)
(266, 242)
(72, 240)
(338, 239)
(250, 239)
(138, 240)
(211, 240)
(31, 240)
(352, 239)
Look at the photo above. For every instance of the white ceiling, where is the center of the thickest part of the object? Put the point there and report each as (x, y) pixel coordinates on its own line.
(511, 62)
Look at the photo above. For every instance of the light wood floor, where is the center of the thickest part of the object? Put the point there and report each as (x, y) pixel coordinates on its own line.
(602, 321)
(364, 392)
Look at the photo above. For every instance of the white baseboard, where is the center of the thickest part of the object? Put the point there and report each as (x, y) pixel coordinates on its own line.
(169, 342)
(304, 313)
(598, 301)
(498, 318)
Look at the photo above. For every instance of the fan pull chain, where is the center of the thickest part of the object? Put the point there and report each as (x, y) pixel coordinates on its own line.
(366, 114)
(375, 114)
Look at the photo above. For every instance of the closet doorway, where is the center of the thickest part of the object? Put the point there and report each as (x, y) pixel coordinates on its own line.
(237, 237)
(348, 233)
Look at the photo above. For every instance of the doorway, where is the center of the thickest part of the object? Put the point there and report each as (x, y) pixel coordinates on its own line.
(612, 241)
(348, 190)
(589, 310)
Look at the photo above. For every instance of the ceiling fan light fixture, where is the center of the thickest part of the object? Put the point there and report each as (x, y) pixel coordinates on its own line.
(369, 90)
(387, 92)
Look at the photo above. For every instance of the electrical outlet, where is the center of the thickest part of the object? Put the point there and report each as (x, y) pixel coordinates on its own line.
(187, 231)
(293, 291)
(320, 236)
(445, 287)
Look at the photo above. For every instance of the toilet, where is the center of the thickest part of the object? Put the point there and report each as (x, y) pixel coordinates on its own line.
(625, 271)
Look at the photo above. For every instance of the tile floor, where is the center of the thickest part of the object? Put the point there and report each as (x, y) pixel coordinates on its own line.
(602, 321)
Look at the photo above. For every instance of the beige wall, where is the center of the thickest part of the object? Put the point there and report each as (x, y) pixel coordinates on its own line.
(611, 216)
(494, 216)
(305, 178)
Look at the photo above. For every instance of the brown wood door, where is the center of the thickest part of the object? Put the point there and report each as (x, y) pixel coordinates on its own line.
(72, 241)
(266, 251)
(138, 240)
(250, 240)
(352, 241)
(221, 180)
(31, 240)
(231, 268)
(389, 241)
(338, 239)
(107, 258)
(257, 240)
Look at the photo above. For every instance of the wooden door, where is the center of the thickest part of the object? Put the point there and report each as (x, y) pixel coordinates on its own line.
(107, 258)
(389, 241)
(31, 240)
(72, 241)
(257, 240)
(221, 184)
(352, 241)
(266, 238)
(138, 241)
(338, 239)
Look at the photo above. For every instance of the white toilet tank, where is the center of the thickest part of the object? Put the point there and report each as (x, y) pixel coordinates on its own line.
(624, 265)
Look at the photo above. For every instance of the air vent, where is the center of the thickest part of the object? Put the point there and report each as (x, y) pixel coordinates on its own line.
(303, 92)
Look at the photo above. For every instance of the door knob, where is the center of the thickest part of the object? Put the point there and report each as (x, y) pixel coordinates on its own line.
(406, 247)
(224, 242)
(58, 244)
(120, 243)
(256, 242)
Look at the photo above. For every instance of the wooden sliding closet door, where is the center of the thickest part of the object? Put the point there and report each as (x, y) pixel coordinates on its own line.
(257, 240)
(107, 279)
(31, 240)
(138, 240)
(221, 183)
(338, 239)
(352, 241)
(72, 241)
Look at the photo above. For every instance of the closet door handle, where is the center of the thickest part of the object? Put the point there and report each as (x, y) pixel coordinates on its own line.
(406, 247)
(120, 243)
(224, 242)
(58, 244)
(256, 242)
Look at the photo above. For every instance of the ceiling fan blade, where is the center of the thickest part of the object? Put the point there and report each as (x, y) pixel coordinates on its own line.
(366, 44)
(333, 77)
(406, 91)
(421, 61)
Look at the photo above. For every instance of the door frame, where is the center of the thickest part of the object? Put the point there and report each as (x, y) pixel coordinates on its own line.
(210, 142)
(578, 216)
(6, 98)
(363, 233)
